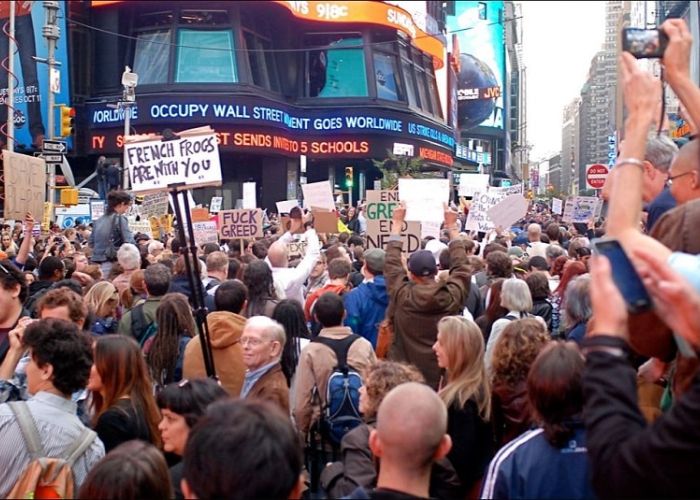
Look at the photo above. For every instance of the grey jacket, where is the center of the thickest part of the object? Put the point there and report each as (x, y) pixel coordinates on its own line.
(101, 234)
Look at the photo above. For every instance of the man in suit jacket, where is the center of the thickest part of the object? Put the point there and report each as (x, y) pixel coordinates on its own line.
(262, 341)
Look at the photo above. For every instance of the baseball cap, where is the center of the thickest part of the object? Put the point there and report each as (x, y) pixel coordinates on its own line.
(422, 263)
(374, 259)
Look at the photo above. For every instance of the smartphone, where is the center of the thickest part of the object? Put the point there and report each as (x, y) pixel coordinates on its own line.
(624, 274)
(643, 43)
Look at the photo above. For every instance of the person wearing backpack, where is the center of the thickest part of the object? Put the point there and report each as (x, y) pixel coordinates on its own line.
(110, 231)
(138, 322)
(319, 366)
(46, 426)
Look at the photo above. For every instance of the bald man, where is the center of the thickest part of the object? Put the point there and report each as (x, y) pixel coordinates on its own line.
(684, 175)
(406, 463)
(291, 279)
(535, 246)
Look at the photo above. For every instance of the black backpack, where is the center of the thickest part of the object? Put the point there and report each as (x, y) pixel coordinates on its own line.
(341, 412)
(141, 329)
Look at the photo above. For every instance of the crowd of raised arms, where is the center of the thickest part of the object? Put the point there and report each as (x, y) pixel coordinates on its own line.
(505, 364)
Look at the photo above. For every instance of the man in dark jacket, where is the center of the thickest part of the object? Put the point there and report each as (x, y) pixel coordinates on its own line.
(366, 305)
(419, 301)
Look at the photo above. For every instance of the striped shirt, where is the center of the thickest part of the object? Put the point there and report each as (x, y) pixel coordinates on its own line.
(59, 428)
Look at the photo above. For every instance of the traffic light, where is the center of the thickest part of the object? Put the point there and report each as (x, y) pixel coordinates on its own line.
(348, 177)
(67, 121)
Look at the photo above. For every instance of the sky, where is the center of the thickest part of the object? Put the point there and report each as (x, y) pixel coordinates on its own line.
(559, 41)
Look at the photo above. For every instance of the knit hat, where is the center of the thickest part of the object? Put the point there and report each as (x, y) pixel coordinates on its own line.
(422, 263)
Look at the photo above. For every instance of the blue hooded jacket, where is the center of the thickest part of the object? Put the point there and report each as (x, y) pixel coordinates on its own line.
(366, 306)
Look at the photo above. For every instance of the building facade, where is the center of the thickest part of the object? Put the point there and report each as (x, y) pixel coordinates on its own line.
(296, 91)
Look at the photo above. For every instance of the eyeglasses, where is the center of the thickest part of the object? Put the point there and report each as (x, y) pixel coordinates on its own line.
(673, 177)
(251, 341)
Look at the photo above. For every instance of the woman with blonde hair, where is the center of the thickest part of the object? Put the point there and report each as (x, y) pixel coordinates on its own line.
(8, 245)
(102, 301)
(466, 393)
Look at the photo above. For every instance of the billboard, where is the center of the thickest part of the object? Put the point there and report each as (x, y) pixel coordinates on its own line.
(31, 82)
(479, 43)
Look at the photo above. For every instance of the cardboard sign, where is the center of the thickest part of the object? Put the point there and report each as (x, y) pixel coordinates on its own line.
(25, 185)
(199, 214)
(249, 197)
(469, 184)
(205, 232)
(191, 160)
(378, 211)
(215, 205)
(154, 205)
(243, 223)
(284, 207)
(319, 195)
(509, 210)
(325, 222)
(557, 206)
(482, 202)
(424, 198)
(296, 249)
(97, 209)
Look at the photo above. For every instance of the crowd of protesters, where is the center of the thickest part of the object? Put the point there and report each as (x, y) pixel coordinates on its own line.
(492, 365)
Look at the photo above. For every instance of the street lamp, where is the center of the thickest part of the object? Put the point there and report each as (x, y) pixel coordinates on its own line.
(129, 81)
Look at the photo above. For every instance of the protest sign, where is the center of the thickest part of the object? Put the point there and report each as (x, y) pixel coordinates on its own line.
(324, 221)
(430, 229)
(97, 209)
(215, 205)
(154, 205)
(199, 214)
(424, 198)
(142, 226)
(243, 223)
(557, 206)
(379, 210)
(191, 160)
(482, 202)
(205, 232)
(296, 249)
(469, 184)
(583, 209)
(284, 207)
(508, 211)
(319, 195)
(249, 197)
(25, 185)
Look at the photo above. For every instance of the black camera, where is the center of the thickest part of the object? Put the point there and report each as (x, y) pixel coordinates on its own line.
(643, 43)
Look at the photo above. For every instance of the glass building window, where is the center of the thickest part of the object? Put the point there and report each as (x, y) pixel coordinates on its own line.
(205, 57)
(336, 70)
(386, 74)
(262, 61)
(152, 56)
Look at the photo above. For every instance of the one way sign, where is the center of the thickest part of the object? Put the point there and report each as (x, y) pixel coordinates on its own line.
(53, 146)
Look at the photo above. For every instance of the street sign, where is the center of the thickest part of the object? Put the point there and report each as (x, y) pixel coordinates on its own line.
(53, 146)
(596, 175)
(53, 158)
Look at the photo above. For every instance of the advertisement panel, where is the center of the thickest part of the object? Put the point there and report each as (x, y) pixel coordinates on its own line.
(479, 42)
(31, 113)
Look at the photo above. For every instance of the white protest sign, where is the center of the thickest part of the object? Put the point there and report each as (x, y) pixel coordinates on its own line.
(582, 209)
(318, 195)
(192, 160)
(154, 205)
(430, 229)
(97, 209)
(424, 198)
(249, 198)
(482, 202)
(215, 205)
(509, 210)
(25, 185)
(568, 210)
(205, 232)
(378, 211)
(472, 183)
(284, 207)
(142, 226)
(557, 206)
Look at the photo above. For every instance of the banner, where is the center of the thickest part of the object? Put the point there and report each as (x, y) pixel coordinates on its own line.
(25, 185)
(243, 223)
(378, 211)
(191, 160)
(482, 202)
(424, 198)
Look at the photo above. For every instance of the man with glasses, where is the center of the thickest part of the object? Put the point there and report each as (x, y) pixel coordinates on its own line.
(684, 177)
(262, 341)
